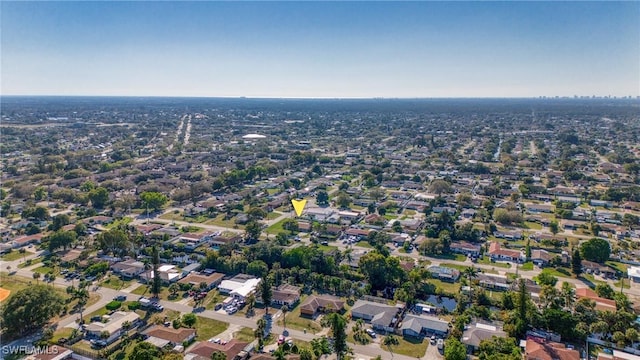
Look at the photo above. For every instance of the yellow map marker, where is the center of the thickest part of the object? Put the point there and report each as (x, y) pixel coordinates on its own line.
(298, 205)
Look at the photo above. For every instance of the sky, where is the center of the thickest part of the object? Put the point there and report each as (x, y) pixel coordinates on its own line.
(320, 49)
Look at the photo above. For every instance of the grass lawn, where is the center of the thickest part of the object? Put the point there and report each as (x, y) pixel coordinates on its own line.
(455, 266)
(618, 266)
(14, 283)
(244, 334)
(409, 346)
(273, 191)
(145, 290)
(15, 255)
(30, 262)
(114, 282)
(99, 312)
(487, 261)
(208, 328)
(124, 221)
(364, 244)
(172, 216)
(625, 284)
(273, 215)
(64, 332)
(44, 270)
(295, 321)
(276, 228)
(141, 290)
(527, 266)
(454, 257)
(532, 225)
(450, 288)
(326, 247)
(559, 272)
(220, 221)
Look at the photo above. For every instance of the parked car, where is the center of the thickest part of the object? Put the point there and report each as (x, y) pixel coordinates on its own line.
(120, 298)
(440, 344)
(371, 333)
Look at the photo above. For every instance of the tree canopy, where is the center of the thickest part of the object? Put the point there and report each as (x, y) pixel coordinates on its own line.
(30, 308)
(595, 249)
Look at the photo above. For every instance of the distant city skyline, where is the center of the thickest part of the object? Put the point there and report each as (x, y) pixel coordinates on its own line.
(321, 49)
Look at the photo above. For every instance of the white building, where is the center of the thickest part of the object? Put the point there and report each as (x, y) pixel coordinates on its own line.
(240, 287)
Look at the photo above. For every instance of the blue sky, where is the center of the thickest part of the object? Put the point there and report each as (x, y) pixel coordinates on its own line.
(320, 49)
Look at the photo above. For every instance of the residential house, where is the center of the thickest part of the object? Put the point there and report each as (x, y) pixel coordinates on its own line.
(195, 279)
(634, 273)
(167, 273)
(381, 316)
(444, 273)
(540, 257)
(498, 254)
(476, 333)
(358, 233)
(25, 240)
(508, 234)
(618, 355)
(466, 248)
(110, 330)
(234, 350)
(318, 213)
(493, 282)
(54, 352)
(539, 208)
(193, 240)
(419, 325)
(321, 303)
(538, 349)
(129, 269)
(602, 304)
(285, 294)
(162, 336)
(240, 286)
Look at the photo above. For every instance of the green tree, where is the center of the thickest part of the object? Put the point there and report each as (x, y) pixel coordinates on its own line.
(284, 310)
(337, 323)
(99, 197)
(454, 350)
(153, 199)
(259, 332)
(30, 309)
(499, 348)
(189, 320)
(218, 355)
(322, 198)
(61, 238)
(554, 227)
(144, 351)
(156, 283)
(343, 200)
(605, 291)
(113, 241)
(544, 278)
(439, 186)
(40, 193)
(253, 229)
(576, 263)
(174, 289)
(266, 293)
(595, 249)
(390, 341)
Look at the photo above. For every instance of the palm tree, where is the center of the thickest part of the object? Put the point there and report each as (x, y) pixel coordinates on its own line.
(173, 289)
(251, 303)
(260, 330)
(390, 341)
(284, 309)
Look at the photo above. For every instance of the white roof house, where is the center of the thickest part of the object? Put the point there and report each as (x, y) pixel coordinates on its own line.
(239, 286)
(634, 273)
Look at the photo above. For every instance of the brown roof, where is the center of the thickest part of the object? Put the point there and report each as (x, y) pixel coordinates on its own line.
(313, 303)
(52, 352)
(539, 350)
(196, 279)
(602, 304)
(286, 293)
(176, 336)
(231, 349)
(495, 249)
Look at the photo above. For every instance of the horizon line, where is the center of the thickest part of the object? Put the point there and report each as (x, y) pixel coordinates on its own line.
(572, 97)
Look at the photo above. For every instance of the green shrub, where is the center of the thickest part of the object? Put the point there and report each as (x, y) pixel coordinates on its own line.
(113, 305)
(134, 305)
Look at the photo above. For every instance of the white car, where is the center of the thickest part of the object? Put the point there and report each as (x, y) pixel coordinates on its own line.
(371, 333)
